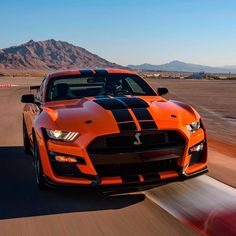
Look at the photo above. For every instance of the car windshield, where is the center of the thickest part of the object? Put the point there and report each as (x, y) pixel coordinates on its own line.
(70, 87)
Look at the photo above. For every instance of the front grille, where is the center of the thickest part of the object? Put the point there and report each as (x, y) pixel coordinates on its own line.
(117, 155)
(136, 168)
(122, 143)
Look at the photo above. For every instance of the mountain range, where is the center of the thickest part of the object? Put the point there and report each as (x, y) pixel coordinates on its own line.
(50, 55)
(180, 66)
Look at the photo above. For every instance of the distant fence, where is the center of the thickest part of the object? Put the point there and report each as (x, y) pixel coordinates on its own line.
(8, 85)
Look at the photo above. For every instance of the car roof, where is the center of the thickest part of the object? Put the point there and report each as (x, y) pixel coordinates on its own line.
(89, 72)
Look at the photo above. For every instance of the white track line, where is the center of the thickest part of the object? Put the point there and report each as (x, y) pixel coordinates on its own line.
(197, 199)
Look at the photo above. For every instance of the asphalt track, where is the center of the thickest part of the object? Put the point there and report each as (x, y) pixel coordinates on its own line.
(200, 205)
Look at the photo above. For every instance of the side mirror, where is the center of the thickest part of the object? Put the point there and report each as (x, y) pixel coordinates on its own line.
(162, 91)
(27, 98)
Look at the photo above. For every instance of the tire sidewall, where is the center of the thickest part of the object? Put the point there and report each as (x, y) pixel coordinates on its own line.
(39, 175)
(26, 141)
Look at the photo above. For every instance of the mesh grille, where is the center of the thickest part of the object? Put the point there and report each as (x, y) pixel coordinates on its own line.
(114, 155)
(126, 142)
(136, 168)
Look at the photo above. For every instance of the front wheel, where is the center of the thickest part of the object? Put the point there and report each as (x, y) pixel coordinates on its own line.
(40, 177)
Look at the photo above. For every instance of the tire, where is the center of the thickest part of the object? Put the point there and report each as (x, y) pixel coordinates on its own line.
(39, 175)
(27, 146)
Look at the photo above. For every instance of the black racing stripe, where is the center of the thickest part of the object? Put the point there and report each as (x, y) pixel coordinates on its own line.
(122, 115)
(130, 179)
(184, 106)
(121, 102)
(129, 126)
(119, 108)
(110, 103)
(142, 114)
(86, 72)
(101, 72)
(133, 102)
(148, 125)
(119, 111)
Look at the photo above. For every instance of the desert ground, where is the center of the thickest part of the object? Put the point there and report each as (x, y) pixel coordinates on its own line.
(173, 209)
(25, 210)
(215, 101)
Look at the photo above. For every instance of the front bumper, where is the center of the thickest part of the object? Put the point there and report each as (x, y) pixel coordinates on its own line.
(88, 176)
(141, 186)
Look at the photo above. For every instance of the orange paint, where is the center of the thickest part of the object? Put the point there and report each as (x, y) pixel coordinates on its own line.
(90, 120)
(141, 179)
(168, 174)
(111, 180)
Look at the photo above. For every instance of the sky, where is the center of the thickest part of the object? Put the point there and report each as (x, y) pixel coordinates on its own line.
(128, 31)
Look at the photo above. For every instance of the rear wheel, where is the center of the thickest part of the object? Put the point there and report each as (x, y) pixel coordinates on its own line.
(40, 177)
(27, 147)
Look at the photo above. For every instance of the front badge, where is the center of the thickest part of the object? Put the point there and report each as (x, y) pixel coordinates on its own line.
(138, 141)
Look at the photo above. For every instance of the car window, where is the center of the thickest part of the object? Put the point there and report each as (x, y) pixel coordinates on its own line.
(40, 92)
(136, 88)
(70, 87)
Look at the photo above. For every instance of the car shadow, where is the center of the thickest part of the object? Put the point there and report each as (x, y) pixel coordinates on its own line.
(20, 196)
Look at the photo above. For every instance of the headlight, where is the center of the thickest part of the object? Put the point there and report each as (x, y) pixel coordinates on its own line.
(194, 126)
(62, 135)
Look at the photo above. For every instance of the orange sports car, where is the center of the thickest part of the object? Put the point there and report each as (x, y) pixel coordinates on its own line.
(109, 128)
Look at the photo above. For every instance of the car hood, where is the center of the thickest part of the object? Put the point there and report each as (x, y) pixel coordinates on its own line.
(108, 115)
